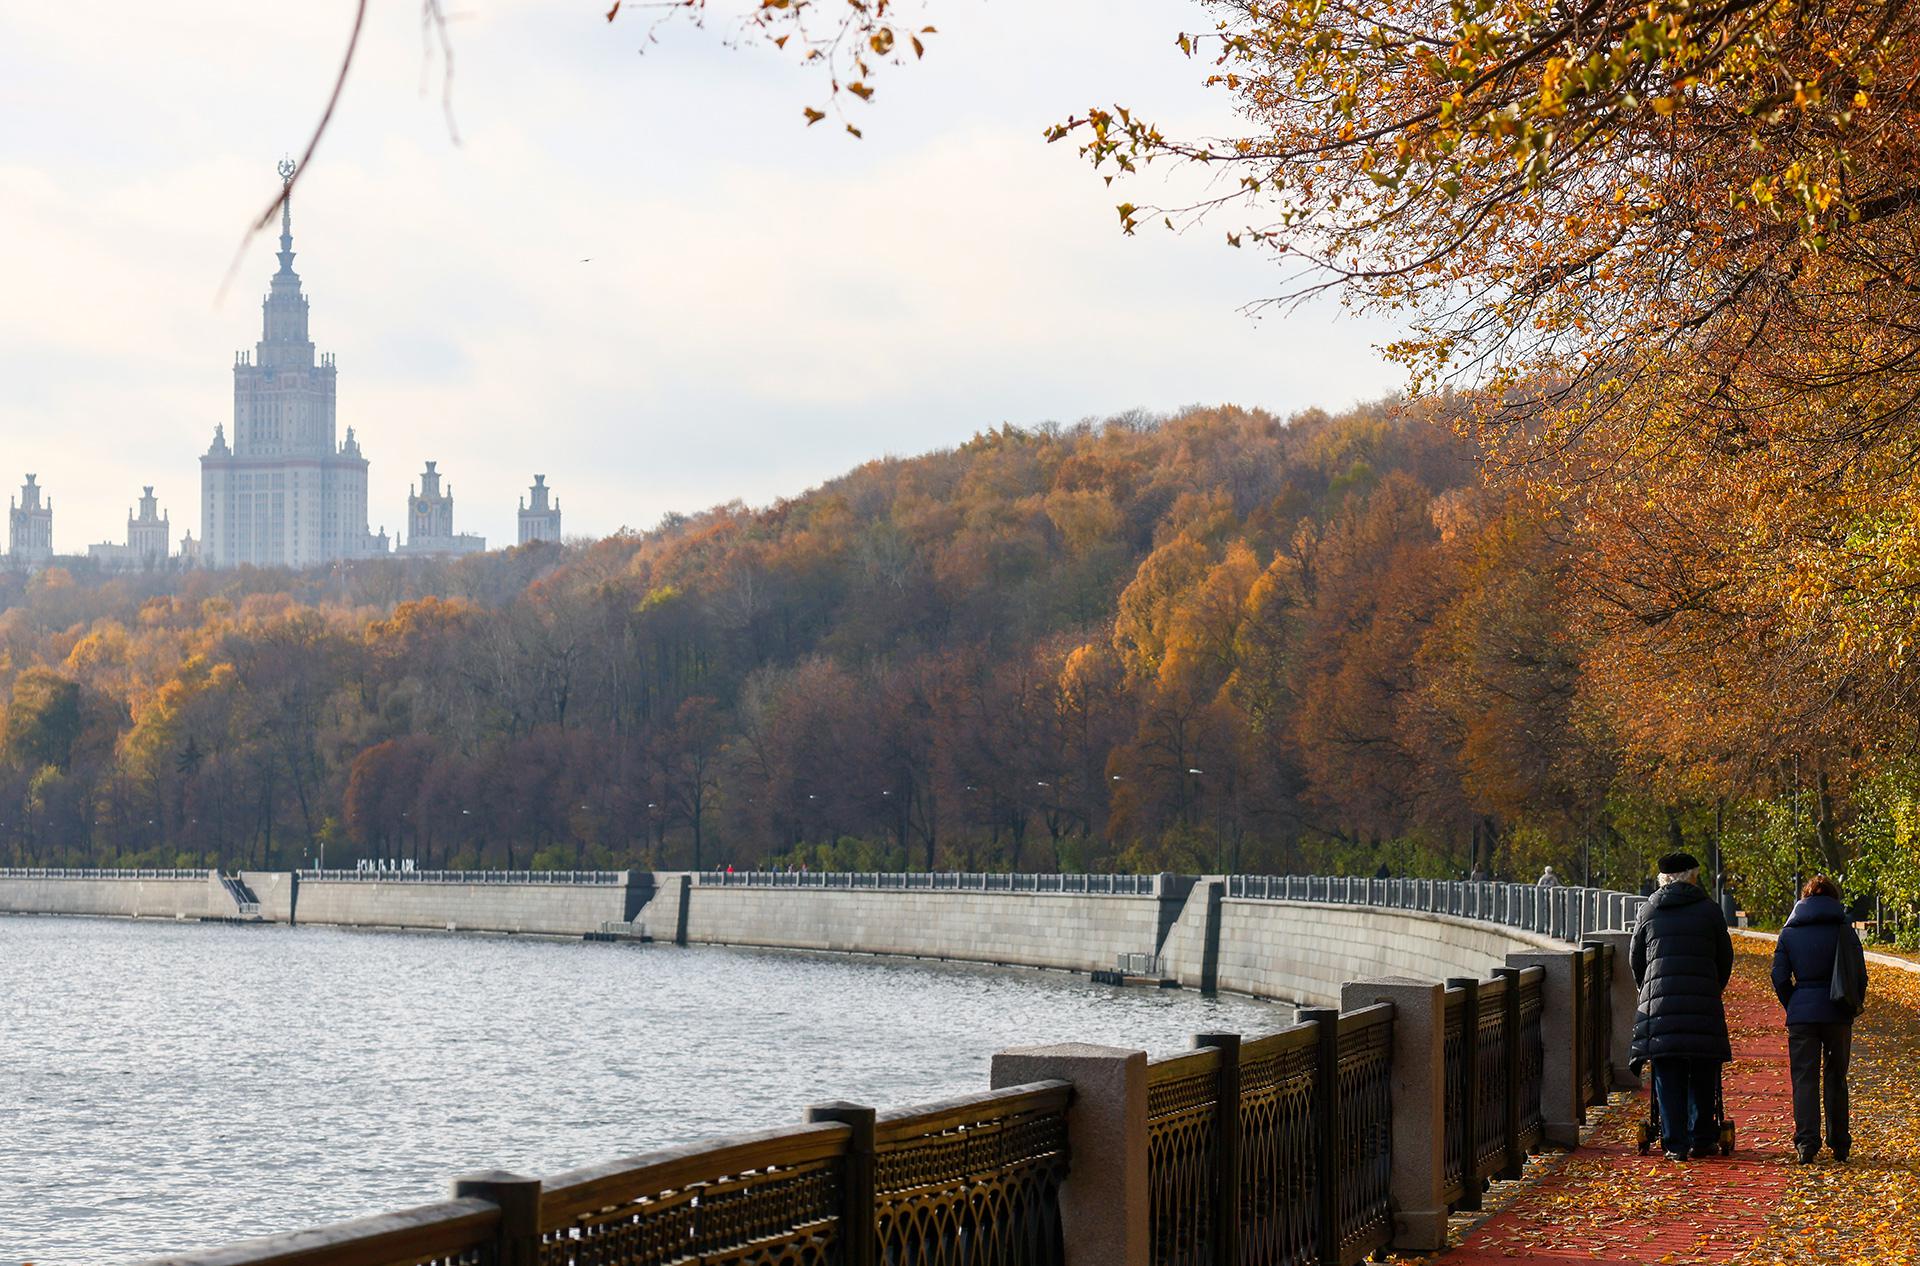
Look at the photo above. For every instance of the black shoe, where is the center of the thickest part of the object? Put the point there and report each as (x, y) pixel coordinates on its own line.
(1840, 1155)
(1703, 1150)
(1675, 1156)
(1805, 1155)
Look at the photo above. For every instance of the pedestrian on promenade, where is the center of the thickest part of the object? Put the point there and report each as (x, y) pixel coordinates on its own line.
(1817, 945)
(1682, 959)
(1547, 879)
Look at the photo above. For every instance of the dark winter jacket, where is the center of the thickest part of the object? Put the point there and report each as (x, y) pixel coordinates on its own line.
(1682, 959)
(1803, 961)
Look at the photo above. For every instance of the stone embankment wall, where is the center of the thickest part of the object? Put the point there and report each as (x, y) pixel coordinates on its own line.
(1071, 932)
(1296, 951)
(534, 909)
(197, 896)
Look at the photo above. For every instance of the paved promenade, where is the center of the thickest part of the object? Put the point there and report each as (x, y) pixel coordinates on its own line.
(1607, 1203)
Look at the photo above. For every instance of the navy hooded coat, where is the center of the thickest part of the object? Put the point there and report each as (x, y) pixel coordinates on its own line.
(1803, 961)
(1682, 959)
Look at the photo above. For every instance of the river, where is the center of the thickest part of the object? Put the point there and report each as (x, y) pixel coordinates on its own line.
(174, 1086)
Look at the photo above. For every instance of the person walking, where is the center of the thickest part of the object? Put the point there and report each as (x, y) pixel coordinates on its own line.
(1682, 958)
(1806, 959)
(1547, 879)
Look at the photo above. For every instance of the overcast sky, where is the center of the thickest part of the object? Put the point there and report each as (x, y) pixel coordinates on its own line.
(762, 306)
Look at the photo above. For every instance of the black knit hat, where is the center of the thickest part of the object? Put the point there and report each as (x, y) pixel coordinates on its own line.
(1678, 863)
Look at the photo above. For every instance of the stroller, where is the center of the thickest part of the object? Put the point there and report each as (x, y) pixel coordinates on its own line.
(1649, 1129)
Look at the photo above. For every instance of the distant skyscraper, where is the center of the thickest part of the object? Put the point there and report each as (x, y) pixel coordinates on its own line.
(285, 494)
(30, 527)
(430, 520)
(149, 538)
(539, 521)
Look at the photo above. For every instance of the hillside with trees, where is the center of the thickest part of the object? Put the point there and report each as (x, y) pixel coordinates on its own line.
(1216, 640)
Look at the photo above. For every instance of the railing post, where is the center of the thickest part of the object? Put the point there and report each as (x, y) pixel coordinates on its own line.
(1226, 1147)
(1328, 1130)
(1510, 1036)
(1418, 1090)
(1105, 1198)
(1562, 1090)
(518, 1239)
(1471, 1186)
(859, 1236)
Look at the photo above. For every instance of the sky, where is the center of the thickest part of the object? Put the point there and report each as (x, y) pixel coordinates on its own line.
(633, 270)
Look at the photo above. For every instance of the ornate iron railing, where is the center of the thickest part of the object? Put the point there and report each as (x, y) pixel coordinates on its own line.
(597, 878)
(970, 1182)
(1455, 1074)
(973, 1182)
(1490, 1142)
(1597, 1024)
(1279, 1183)
(1566, 914)
(1364, 1137)
(1183, 1122)
(96, 872)
(938, 881)
(762, 1198)
(1531, 1055)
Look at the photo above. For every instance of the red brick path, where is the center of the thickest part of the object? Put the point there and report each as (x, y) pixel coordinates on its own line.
(1607, 1203)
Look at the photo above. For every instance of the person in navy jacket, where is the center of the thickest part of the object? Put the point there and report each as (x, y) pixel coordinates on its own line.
(1682, 958)
(1819, 1030)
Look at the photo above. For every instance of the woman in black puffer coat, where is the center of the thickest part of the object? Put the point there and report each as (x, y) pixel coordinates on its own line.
(1682, 959)
(1819, 1030)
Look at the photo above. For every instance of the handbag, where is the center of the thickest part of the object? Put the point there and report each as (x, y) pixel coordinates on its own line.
(1847, 986)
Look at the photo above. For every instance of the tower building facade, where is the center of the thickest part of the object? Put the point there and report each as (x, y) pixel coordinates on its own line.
(286, 492)
(430, 520)
(149, 538)
(541, 520)
(30, 527)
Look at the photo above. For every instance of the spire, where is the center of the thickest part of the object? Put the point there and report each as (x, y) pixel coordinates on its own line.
(287, 168)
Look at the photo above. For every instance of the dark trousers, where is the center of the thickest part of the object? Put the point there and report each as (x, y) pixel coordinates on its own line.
(1685, 1089)
(1817, 1055)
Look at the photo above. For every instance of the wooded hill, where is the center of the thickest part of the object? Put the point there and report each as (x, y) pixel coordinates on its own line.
(1220, 639)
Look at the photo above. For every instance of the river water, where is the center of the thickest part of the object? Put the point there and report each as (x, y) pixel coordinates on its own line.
(174, 1086)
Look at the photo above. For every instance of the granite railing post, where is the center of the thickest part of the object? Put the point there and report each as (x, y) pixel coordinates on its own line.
(1419, 1095)
(1226, 1147)
(517, 1242)
(1562, 1090)
(1327, 1129)
(1625, 1002)
(1471, 1186)
(859, 1237)
(1104, 1200)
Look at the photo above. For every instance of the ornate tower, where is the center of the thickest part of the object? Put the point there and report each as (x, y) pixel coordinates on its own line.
(541, 520)
(30, 527)
(430, 519)
(150, 536)
(286, 493)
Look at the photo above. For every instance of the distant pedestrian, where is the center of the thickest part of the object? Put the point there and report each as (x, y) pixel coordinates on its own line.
(1682, 959)
(1479, 875)
(1548, 879)
(1381, 872)
(1817, 950)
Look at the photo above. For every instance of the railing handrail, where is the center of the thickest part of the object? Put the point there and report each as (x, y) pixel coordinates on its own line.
(1074, 884)
(1560, 912)
(105, 872)
(442, 1230)
(565, 1196)
(598, 878)
(963, 1110)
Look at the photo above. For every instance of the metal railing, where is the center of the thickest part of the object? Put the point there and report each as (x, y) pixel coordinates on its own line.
(1567, 914)
(601, 878)
(98, 872)
(936, 881)
(972, 1180)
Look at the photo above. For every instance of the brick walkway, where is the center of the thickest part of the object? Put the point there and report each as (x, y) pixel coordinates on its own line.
(1607, 1203)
